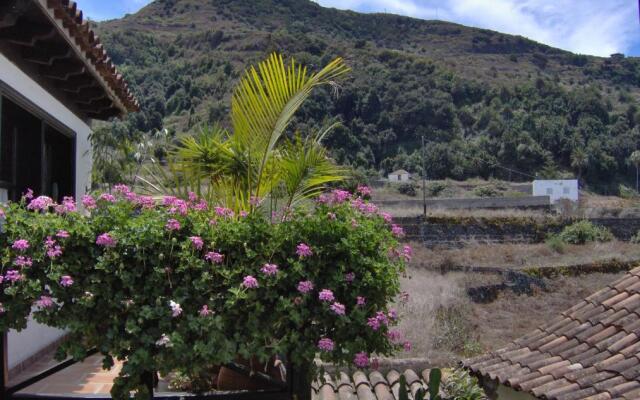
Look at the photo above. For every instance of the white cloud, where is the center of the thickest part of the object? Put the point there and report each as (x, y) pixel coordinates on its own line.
(596, 27)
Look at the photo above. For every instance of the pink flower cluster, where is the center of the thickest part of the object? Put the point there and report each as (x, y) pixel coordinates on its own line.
(361, 301)
(224, 212)
(325, 344)
(40, 203)
(250, 282)
(407, 252)
(350, 277)
(172, 225)
(338, 308)
(108, 197)
(20, 245)
(214, 257)
(22, 261)
(197, 242)
(205, 311)
(106, 240)
(66, 281)
(326, 295)
(44, 302)
(361, 360)
(303, 250)
(379, 320)
(88, 202)
(176, 309)
(53, 250)
(13, 276)
(363, 190)
(305, 286)
(269, 269)
(397, 231)
(68, 205)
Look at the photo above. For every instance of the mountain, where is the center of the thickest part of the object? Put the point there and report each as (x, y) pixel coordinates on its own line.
(481, 98)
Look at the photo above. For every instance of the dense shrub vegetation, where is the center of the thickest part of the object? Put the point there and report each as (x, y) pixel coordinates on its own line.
(180, 287)
(584, 231)
(545, 112)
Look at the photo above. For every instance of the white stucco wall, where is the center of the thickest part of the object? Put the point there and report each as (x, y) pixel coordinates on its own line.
(22, 345)
(398, 178)
(557, 189)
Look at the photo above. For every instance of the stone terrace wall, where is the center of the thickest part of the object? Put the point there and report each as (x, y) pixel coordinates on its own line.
(454, 231)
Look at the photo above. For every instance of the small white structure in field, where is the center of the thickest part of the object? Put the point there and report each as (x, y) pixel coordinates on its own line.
(557, 189)
(399, 176)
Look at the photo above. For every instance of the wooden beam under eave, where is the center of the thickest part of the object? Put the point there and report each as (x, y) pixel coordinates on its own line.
(25, 33)
(62, 70)
(106, 114)
(77, 83)
(91, 101)
(46, 54)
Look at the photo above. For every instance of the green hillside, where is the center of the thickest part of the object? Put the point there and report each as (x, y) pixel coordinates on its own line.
(479, 97)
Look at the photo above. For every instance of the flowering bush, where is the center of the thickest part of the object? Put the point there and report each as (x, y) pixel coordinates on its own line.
(175, 286)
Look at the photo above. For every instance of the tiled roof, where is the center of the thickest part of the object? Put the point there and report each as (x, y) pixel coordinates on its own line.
(591, 351)
(81, 33)
(372, 385)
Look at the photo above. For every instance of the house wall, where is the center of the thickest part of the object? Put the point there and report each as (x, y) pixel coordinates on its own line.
(556, 189)
(25, 344)
(398, 178)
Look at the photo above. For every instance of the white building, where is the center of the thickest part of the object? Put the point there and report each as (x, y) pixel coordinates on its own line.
(55, 78)
(557, 189)
(399, 176)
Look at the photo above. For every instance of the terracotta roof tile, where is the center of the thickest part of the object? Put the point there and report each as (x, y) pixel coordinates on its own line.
(591, 351)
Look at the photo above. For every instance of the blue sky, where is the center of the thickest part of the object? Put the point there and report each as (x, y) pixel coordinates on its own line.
(597, 27)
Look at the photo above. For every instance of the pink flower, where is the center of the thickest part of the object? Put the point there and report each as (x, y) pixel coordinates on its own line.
(22, 261)
(374, 323)
(40, 203)
(375, 363)
(338, 308)
(340, 196)
(66, 281)
(193, 197)
(164, 341)
(393, 314)
(407, 346)
(2, 214)
(146, 201)
(250, 282)
(44, 302)
(214, 257)
(350, 277)
(68, 205)
(205, 312)
(197, 242)
(62, 234)
(179, 206)
(224, 212)
(13, 276)
(20, 245)
(407, 252)
(29, 194)
(305, 286)
(176, 309)
(54, 252)
(397, 230)
(269, 269)
(331, 216)
(361, 301)
(243, 214)
(88, 202)
(382, 317)
(325, 344)
(1, 309)
(105, 240)
(121, 188)
(303, 250)
(394, 336)
(107, 197)
(361, 360)
(326, 295)
(201, 206)
(172, 225)
(255, 201)
(363, 190)
(168, 200)
(386, 217)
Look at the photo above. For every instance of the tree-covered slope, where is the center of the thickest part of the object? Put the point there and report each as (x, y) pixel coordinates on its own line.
(479, 97)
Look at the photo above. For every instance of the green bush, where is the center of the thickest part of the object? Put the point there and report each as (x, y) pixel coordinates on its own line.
(486, 191)
(556, 243)
(179, 287)
(584, 231)
(635, 238)
(408, 189)
(434, 189)
(459, 385)
(626, 192)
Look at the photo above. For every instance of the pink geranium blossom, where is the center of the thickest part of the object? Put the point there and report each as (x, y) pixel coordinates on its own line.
(325, 344)
(205, 311)
(66, 281)
(303, 250)
(197, 242)
(250, 282)
(164, 341)
(407, 252)
(374, 323)
(269, 269)
(407, 346)
(44, 302)
(22, 261)
(29, 194)
(106, 240)
(386, 217)
(40, 203)
(107, 197)
(20, 245)
(338, 308)
(363, 190)
(350, 277)
(54, 251)
(361, 301)
(394, 336)
(176, 309)
(305, 286)
(397, 231)
(214, 257)
(68, 205)
(88, 202)
(326, 295)
(172, 225)
(361, 360)
(13, 276)
(121, 188)
(62, 234)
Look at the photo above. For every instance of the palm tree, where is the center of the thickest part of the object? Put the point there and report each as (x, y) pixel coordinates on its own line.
(579, 161)
(255, 158)
(634, 159)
